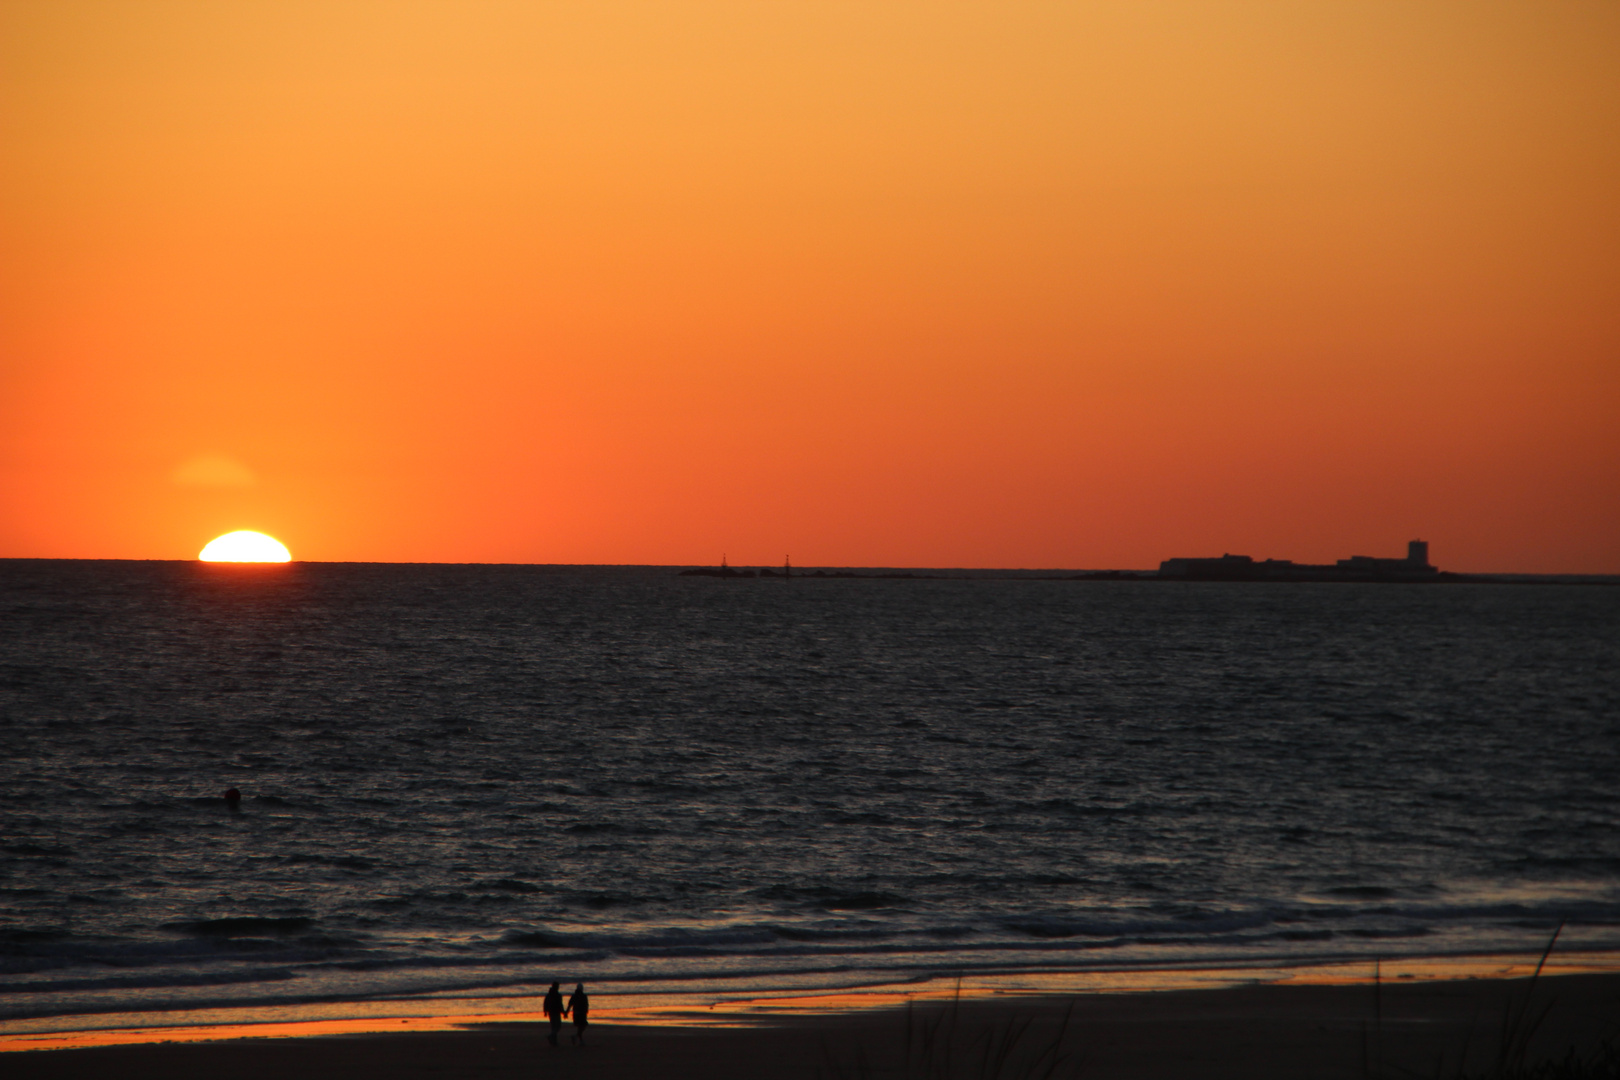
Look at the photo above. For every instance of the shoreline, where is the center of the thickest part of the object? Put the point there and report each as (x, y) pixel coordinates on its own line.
(724, 1010)
(1256, 1031)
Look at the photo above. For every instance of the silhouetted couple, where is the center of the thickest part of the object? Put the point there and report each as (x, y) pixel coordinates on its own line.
(578, 1004)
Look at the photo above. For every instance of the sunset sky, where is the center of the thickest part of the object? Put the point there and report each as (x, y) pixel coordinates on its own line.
(1003, 284)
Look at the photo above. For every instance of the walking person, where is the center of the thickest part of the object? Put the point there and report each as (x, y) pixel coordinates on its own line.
(580, 1005)
(553, 1008)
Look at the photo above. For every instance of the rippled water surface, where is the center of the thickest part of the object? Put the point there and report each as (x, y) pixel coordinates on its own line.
(465, 779)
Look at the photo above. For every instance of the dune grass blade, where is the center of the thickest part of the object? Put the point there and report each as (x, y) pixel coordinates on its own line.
(1521, 1020)
(1517, 1028)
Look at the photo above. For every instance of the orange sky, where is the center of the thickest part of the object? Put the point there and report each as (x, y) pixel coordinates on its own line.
(1040, 284)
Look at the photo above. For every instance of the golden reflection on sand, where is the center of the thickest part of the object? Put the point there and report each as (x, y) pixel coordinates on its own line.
(752, 1011)
(1452, 968)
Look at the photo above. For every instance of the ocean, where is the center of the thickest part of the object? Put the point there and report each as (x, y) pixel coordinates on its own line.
(465, 782)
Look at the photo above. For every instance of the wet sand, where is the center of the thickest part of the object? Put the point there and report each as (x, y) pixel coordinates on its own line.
(1254, 1032)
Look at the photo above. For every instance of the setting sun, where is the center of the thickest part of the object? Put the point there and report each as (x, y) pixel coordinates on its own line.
(245, 546)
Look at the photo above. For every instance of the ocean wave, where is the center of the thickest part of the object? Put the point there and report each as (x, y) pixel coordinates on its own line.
(306, 939)
(146, 981)
(245, 926)
(33, 951)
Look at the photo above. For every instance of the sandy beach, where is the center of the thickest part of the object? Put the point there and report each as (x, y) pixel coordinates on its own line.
(1258, 1031)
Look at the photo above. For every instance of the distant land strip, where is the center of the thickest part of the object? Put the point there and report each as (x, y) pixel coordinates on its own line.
(1442, 577)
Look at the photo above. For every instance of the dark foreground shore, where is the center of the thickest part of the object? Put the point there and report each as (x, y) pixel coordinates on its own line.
(1253, 1032)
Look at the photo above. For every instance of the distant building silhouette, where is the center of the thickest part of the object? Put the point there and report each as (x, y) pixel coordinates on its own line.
(1415, 567)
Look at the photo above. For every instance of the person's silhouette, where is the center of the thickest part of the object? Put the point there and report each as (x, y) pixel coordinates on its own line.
(553, 1008)
(580, 1005)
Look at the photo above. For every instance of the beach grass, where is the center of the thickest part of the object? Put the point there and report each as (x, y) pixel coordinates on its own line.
(939, 1045)
(1522, 1017)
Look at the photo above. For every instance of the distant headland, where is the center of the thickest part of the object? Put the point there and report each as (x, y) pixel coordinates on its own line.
(1414, 569)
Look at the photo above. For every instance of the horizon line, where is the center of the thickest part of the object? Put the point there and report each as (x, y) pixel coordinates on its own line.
(800, 571)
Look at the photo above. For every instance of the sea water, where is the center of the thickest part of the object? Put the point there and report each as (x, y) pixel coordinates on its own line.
(468, 781)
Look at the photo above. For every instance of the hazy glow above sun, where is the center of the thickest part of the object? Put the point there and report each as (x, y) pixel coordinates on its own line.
(245, 546)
